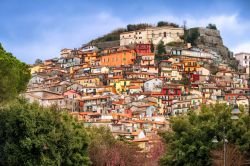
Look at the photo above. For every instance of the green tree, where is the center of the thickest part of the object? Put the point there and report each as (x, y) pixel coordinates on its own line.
(38, 61)
(152, 47)
(134, 27)
(165, 23)
(191, 35)
(190, 141)
(160, 51)
(185, 79)
(161, 48)
(32, 135)
(14, 75)
(211, 26)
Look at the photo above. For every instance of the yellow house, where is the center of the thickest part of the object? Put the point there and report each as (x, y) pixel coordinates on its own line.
(89, 81)
(190, 65)
(90, 56)
(36, 69)
(137, 83)
(121, 85)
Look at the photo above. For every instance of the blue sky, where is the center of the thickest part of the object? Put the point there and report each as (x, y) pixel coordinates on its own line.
(32, 29)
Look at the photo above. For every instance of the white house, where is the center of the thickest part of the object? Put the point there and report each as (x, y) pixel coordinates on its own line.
(153, 85)
(243, 58)
(154, 34)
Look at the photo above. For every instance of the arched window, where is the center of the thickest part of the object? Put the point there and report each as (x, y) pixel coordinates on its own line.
(165, 34)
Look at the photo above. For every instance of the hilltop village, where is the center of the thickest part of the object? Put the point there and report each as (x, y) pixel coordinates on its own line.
(135, 85)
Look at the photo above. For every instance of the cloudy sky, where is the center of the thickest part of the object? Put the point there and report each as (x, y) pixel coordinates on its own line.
(32, 29)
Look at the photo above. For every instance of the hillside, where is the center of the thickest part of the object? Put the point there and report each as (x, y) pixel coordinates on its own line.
(204, 38)
(115, 34)
(207, 38)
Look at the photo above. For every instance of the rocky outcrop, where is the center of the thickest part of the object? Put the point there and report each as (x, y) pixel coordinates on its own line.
(212, 40)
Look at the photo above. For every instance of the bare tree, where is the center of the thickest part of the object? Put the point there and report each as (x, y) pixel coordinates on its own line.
(233, 156)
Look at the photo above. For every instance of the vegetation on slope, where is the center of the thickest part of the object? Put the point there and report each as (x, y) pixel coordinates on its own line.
(33, 135)
(115, 34)
(14, 75)
(190, 141)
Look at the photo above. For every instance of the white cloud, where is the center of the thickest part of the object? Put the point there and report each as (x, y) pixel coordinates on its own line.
(243, 47)
(69, 33)
(55, 33)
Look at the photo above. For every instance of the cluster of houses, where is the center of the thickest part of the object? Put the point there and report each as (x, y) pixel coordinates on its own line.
(129, 90)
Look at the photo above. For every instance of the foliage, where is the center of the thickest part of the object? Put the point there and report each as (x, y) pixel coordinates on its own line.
(38, 61)
(161, 48)
(213, 68)
(112, 36)
(185, 79)
(191, 35)
(152, 47)
(135, 27)
(165, 23)
(32, 135)
(175, 44)
(190, 141)
(211, 26)
(160, 52)
(104, 149)
(14, 75)
(159, 58)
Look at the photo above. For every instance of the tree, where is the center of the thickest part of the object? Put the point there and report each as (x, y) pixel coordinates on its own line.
(161, 48)
(191, 35)
(211, 26)
(185, 80)
(14, 75)
(134, 27)
(165, 23)
(160, 51)
(104, 149)
(32, 135)
(190, 141)
(152, 47)
(38, 61)
(112, 36)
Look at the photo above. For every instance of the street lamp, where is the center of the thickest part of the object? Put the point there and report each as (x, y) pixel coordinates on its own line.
(236, 109)
(235, 112)
(225, 141)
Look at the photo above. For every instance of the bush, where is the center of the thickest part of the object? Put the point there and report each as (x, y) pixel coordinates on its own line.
(32, 135)
(211, 26)
(165, 23)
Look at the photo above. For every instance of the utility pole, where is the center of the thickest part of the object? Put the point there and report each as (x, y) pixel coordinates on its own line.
(248, 95)
(225, 146)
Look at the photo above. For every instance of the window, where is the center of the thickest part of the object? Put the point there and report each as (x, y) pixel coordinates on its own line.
(124, 59)
(165, 34)
(245, 57)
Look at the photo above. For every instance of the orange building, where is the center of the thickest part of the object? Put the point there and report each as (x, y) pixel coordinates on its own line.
(89, 57)
(119, 58)
(190, 65)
